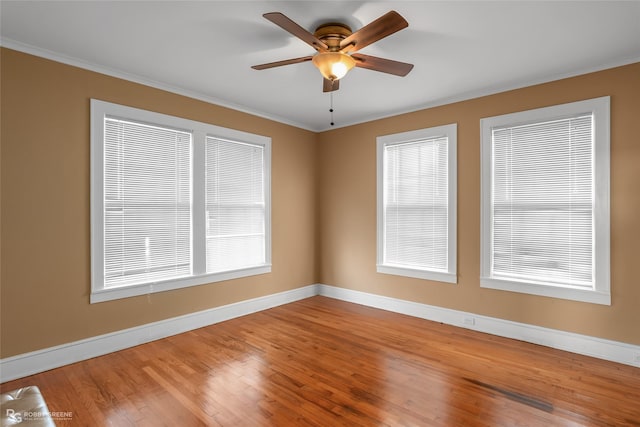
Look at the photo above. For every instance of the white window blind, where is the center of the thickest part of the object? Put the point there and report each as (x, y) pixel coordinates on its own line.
(543, 198)
(147, 203)
(545, 202)
(235, 205)
(415, 204)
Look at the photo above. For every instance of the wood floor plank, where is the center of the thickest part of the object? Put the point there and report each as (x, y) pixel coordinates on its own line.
(323, 362)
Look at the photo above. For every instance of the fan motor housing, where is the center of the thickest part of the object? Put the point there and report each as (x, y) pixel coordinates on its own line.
(332, 34)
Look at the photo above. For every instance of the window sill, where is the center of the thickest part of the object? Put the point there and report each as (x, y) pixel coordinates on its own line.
(418, 274)
(109, 294)
(582, 295)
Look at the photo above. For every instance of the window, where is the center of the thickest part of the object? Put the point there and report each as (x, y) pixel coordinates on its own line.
(147, 203)
(545, 201)
(235, 205)
(417, 203)
(175, 202)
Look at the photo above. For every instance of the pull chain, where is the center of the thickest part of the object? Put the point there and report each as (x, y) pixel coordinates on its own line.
(331, 107)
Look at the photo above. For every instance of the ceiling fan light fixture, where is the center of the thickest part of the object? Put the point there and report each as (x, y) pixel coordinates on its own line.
(337, 46)
(333, 65)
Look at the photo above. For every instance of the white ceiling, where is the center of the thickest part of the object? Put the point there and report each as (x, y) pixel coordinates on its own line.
(204, 49)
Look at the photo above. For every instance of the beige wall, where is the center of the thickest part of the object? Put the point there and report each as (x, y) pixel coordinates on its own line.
(347, 204)
(323, 192)
(45, 206)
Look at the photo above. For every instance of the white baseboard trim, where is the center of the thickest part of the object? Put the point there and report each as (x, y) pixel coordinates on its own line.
(37, 361)
(613, 351)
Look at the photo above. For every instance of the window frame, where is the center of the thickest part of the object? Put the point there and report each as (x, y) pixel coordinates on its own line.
(450, 131)
(199, 130)
(601, 291)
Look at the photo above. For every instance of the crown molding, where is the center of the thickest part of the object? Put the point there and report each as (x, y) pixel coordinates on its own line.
(101, 69)
(489, 90)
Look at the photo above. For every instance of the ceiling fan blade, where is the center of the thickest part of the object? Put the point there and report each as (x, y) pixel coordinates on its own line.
(330, 86)
(382, 27)
(281, 63)
(383, 65)
(288, 25)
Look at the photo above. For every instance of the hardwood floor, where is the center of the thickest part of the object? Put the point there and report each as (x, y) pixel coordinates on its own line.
(324, 362)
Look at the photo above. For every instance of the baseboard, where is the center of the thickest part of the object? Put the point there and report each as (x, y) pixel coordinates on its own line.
(613, 351)
(37, 361)
(34, 362)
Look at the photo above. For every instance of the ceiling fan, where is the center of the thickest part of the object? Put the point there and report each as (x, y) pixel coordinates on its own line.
(336, 47)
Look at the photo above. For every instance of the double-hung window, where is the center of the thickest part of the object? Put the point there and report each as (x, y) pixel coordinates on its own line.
(235, 206)
(545, 201)
(175, 202)
(417, 203)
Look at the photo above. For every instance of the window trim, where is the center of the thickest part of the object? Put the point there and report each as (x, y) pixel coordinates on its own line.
(200, 130)
(450, 131)
(600, 108)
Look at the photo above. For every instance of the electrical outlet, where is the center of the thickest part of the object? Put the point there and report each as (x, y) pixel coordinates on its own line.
(469, 321)
(638, 358)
